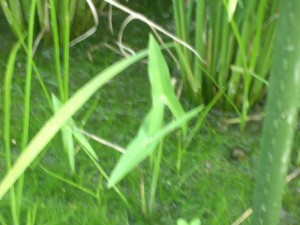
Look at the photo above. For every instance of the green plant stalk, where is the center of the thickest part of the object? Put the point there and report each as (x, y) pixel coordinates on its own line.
(241, 43)
(6, 116)
(281, 117)
(187, 74)
(264, 61)
(10, 17)
(66, 46)
(199, 43)
(26, 115)
(102, 171)
(17, 13)
(209, 57)
(72, 14)
(179, 151)
(190, 5)
(155, 176)
(262, 68)
(254, 55)
(241, 59)
(225, 56)
(67, 136)
(25, 5)
(182, 32)
(181, 22)
(217, 36)
(143, 198)
(31, 215)
(257, 39)
(55, 36)
(203, 115)
(28, 76)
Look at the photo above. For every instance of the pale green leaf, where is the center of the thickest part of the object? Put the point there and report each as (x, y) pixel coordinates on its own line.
(143, 145)
(159, 76)
(231, 9)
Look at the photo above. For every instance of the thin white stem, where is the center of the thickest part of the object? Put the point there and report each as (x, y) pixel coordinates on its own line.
(155, 26)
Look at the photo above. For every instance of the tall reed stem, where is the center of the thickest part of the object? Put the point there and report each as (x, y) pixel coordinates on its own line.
(281, 116)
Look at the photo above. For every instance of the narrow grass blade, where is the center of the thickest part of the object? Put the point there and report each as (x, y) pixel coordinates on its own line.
(67, 136)
(26, 115)
(27, 100)
(69, 182)
(66, 47)
(6, 119)
(71, 127)
(17, 13)
(55, 35)
(155, 176)
(47, 132)
(201, 118)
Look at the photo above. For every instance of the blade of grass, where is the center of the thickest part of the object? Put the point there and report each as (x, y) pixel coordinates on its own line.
(26, 114)
(71, 183)
(73, 6)
(6, 128)
(67, 136)
(155, 176)
(55, 36)
(201, 118)
(47, 132)
(66, 46)
(71, 127)
(242, 39)
(17, 13)
(199, 42)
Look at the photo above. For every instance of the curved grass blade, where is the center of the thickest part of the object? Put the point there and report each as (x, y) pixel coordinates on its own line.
(70, 127)
(70, 182)
(6, 117)
(55, 123)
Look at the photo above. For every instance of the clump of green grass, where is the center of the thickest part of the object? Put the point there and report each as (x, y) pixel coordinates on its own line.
(236, 40)
(212, 175)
